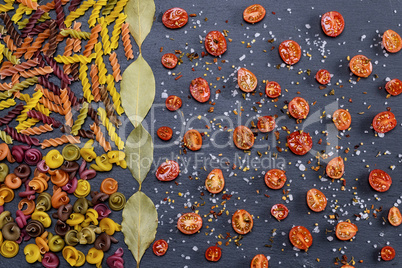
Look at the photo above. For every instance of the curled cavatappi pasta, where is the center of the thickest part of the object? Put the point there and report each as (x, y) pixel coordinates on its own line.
(54, 159)
(11, 231)
(83, 188)
(102, 163)
(71, 238)
(75, 219)
(109, 186)
(42, 217)
(59, 198)
(95, 256)
(71, 152)
(39, 183)
(56, 243)
(6, 153)
(73, 256)
(103, 210)
(59, 177)
(64, 212)
(87, 152)
(61, 228)
(91, 217)
(3, 171)
(30, 206)
(32, 253)
(117, 201)
(35, 228)
(50, 260)
(42, 242)
(108, 226)
(80, 205)
(9, 249)
(5, 217)
(44, 202)
(6, 195)
(104, 241)
(86, 236)
(12, 181)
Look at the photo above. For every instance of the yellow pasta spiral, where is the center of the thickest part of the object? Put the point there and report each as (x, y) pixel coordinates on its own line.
(7, 103)
(86, 86)
(95, 12)
(114, 94)
(105, 36)
(101, 65)
(80, 11)
(110, 128)
(114, 40)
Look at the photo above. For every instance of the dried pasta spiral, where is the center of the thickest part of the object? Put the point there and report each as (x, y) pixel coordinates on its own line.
(37, 130)
(24, 47)
(80, 11)
(37, 71)
(114, 40)
(114, 94)
(74, 59)
(30, 4)
(100, 138)
(118, 8)
(66, 107)
(75, 34)
(86, 87)
(101, 65)
(105, 36)
(7, 103)
(80, 119)
(37, 44)
(6, 138)
(59, 141)
(95, 12)
(93, 39)
(95, 82)
(110, 128)
(115, 66)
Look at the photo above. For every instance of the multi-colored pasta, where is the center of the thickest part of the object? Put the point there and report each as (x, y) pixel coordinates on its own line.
(9, 43)
(100, 138)
(74, 59)
(114, 94)
(5, 120)
(49, 95)
(37, 71)
(5, 86)
(111, 113)
(114, 40)
(78, 12)
(19, 13)
(37, 130)
(75, 34)
(39, 107)
(18, 68)
(93, 39)
(60, 141)
(21, 137)
(31, 22)
(101, 65)
(30, 4)
(5, 137)
(87, 134)
(30, 122)
(86, 87)
(15, 79)
(52, 39)
(57, 71)
(25, 84)
(11, 29)
(66, 107)
(95, 12)
(9, 55)
(80, 119)
(51, 106)
(7, 103)
(30, 105)
(95, 82)
(24, 47)
(36, 46)
(115, 66)
(105, 36)
(109, 7)
(40, 28)
(110, 128)
(118, 8)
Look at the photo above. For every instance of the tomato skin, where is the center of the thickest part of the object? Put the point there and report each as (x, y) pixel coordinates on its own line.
(192, 140)
(384, 122)
(380, 180)
(215, 43)
(290, 52)
(300, 237)
(323, 77)
(213, 253)
(300, 143)
(169, 60)
(342, 119)
(246, 80)
(394, 87)
(243, 138)
(387, 253)
(160, 247)
(165, 133)
(173, 103)
(273, 90)
(316, 200)
(266, 123)
(335, 168)
(254, 13)
(175, 18)
(242, 222)
(259, 261)
(215, 182)
(394, 216)
(275, 179)
(347, 266)
(361, 66)
(189, 223)
(279, 211)
(345, 230)
(199, 89)
(332, 23)
(299, 108)
(168, 171)
(392, 41)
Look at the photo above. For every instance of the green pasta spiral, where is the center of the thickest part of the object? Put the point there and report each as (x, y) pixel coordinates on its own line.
(109, 7)
(44, 202)
(3, 171)
(117, 201)
(6, 138)
(80, 119)
(71, 152)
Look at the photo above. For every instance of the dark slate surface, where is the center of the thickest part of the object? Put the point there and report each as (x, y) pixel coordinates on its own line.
(365, 23)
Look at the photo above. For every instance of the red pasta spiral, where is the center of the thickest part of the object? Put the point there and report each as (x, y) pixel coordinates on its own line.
(21, 137)
(5, 120)
(44, 118)
(31, 22)
(11, 29)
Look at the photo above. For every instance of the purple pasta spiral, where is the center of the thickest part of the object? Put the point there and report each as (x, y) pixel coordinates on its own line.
(11, 114)
(52, 39)
(23, 237)
(86, 174)
(21, 137)
(31, 22)
(22, 171)
(57, 70)
(74, 5)
(44, 118)
(11, 29)
(40, 28)
(33, 156)
(116, 260)
(103, 211)
(59, 14)
(18, 152)
(21, 219)
(29, 193)
(42, 167)
(49, 85)
(50, 260)
(70, 186)
(1, 209)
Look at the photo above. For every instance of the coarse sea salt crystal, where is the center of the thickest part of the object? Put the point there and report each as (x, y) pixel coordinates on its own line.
(330, 238)
(195, 248)
(302, 167)
(242, 57)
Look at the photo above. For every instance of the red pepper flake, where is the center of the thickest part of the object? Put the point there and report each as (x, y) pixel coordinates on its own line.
(193, 15)
(272, 48)
(350, 100)
(203, 54)
(319, 141)
(177, 78)
(267, 195)
(161, 49)
(219, 68)
(226, 21)
(192, 69)
(226, 196)
(273, 13)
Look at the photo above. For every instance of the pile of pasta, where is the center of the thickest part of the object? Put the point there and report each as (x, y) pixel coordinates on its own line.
(53, 185)
(28, 57)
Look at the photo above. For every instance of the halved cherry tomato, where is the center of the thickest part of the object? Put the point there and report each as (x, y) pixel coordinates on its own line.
(394, 216)
(392, 41)
(342, 119)
(332, 23)
(215, 43)
(347, 266)
(246, 80)
(316, 200)
(279, 211)
(335, 168)
(394, 87)
(290, 52)
(213, 253)
(254, 13)
(160, 247)
(300, 237)
(266, 123)
(168, 171)
(192, 140)
(275, 179)
(273, 90)
(189, 223)
(169, 60)
(361, 66)
(345, 230)
(199, 89)
(299, 142)
(259, 261)
(299, 108)
(323, 77)
(384, 122)
(243, 138)
(215, 181)
(165, 133)
(242, 222)
(174, 18)
(387, 253)
(380, 180)
(173, 103)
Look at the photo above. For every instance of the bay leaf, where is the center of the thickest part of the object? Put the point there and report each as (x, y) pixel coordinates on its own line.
(140, 221)
(139, 153)
(137, 90)
(140, 16)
